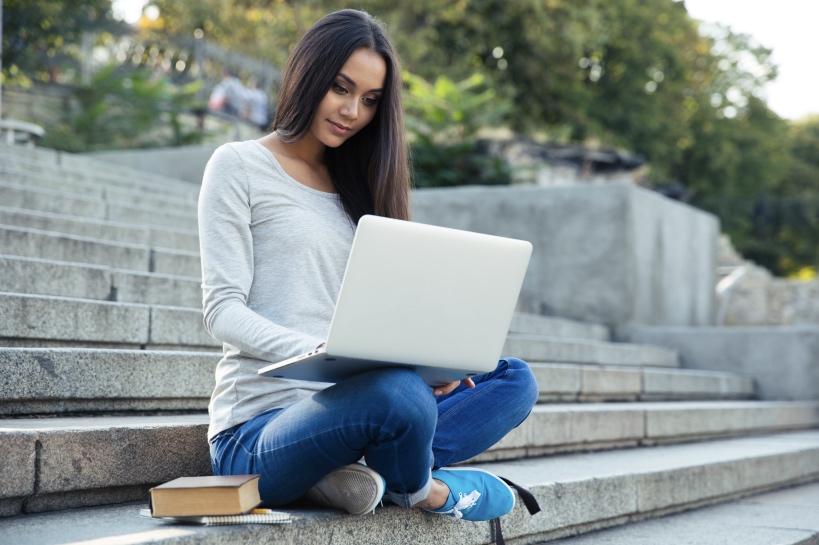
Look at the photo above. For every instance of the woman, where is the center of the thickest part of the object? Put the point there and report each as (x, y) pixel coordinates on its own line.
(276, 218)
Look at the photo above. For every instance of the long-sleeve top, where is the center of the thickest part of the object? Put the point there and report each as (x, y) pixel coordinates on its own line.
(273, 256)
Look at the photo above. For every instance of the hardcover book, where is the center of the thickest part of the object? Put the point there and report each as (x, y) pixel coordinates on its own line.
(199, 496)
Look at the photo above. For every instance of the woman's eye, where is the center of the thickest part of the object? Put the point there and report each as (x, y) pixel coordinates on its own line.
(339, 88)
(370, 101)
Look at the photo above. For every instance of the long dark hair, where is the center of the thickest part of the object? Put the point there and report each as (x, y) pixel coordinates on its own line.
(370, 169)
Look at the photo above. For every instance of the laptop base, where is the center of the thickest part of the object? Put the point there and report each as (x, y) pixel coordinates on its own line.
(323, 367)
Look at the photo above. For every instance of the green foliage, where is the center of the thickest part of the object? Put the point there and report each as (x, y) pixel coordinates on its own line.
(776, 225)
(43, 36)
(130, 110)
(635, 74)
(444, 118)
(445, 110)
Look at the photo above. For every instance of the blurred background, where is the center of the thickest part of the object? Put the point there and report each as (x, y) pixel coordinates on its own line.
(676, 96)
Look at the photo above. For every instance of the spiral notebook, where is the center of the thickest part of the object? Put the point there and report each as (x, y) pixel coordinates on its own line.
(256, 516)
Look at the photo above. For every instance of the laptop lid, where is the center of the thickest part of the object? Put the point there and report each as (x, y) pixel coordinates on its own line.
(425, 295)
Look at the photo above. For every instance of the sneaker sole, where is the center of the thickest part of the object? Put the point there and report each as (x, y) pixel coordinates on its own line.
(356, 489)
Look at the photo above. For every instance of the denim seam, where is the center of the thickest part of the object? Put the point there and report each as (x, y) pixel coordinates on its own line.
(234, 439)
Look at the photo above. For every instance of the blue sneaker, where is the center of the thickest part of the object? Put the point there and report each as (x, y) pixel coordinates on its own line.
(474, 494)
(355, 488)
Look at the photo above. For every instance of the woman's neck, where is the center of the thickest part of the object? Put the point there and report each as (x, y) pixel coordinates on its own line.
(309, 150)
(302, 160)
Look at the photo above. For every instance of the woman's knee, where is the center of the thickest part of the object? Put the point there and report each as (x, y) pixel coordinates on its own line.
(521, 378)
(398, 393)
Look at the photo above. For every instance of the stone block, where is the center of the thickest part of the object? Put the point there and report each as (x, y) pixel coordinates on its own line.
(79, 168)
(14, 175)
(610, 254)
(536, 348)
(19, 453)
(175, 326)
(787, 517)
(73, 225)
(608, 383)
(73, 499)
(148, 216)
(534, 324)
(157, 289)
(571, 504)
(49, 381)
(781, 359)
(176, 263)
(565, 425)
(71, 457)
(19, 196)
(48, 317)
(726, 418)
(557, 380)
(176, 239)
(44, 277)
(157, 201)
(659, 357)
(659, 383)
(60, 247)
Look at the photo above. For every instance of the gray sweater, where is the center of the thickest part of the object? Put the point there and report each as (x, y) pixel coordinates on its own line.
(273, 256)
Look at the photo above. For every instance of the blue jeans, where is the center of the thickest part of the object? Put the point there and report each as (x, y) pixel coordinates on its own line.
(388, 416)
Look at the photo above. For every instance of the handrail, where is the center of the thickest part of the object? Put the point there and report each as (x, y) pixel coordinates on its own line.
(725, 288)
(21, 132)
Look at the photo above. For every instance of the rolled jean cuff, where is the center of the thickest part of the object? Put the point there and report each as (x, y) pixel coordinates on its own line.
(408, 499)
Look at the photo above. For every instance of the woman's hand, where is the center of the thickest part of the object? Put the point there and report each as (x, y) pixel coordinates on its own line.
(446, 388)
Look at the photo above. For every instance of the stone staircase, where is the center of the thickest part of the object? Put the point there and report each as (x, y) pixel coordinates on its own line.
(107, 371)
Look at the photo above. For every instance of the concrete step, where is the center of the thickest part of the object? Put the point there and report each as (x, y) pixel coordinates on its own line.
(79, 168)
(784, 517)
(601, 426)
(54, 463)
(36, 276)
(114, 231)
(578, 493)
(33, 320)
(32, 276)
(79, 460)
(77, 380)
(575, 382)
(50, 277)
(57, 202)
(55, 321)
(53, 381)
(542, 348)
(535, 324)
(25, 242)
(14, 176)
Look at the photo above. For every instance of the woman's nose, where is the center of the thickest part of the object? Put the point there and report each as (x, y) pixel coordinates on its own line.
(350, 109)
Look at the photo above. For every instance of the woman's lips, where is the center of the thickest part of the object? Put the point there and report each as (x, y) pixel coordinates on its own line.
(340, 130)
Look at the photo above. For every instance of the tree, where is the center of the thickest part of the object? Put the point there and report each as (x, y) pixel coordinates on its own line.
(43, 36)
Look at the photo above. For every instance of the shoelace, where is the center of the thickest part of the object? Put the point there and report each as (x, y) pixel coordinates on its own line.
(464, 502)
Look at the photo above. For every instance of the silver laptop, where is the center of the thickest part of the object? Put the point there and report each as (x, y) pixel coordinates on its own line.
(435, 300)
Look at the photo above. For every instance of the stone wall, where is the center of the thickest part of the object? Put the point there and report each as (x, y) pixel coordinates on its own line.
(760, 298)
(615, 254)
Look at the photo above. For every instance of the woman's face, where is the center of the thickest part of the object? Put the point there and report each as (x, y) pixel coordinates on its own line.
(352, 100)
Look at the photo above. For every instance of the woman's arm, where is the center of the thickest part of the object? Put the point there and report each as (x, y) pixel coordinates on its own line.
(226, 248)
